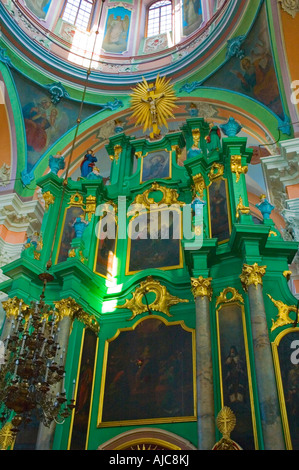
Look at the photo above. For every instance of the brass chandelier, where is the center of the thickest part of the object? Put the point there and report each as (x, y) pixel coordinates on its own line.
(33, 368)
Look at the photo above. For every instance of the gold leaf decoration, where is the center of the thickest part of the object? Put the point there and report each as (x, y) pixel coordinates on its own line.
(162, 303)
(283, 317)
(153, 103)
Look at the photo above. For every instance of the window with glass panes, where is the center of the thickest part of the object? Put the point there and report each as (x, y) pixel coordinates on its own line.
(77, 12)
(159, 18)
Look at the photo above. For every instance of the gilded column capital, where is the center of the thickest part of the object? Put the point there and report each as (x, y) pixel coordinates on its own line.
(252, 275)
(66, 308)
(13, 307)
(201, 287)
(70, 308)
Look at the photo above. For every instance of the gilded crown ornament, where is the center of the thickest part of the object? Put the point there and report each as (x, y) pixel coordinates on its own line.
(252, 275)
(152, 104)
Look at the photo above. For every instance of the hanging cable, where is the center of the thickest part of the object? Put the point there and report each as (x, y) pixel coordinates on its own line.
(49, 263)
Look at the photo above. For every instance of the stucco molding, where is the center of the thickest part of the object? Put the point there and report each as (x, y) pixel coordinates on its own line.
(290, 6)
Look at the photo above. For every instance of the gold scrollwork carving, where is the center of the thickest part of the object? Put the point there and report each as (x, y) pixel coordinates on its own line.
(76, 200)
(162, 303)
(196, 137)
(283, 317)
(201, 287)
(199, 184)
(117, 151)
(217, 170)
(236, 166)
(138, 154)
(241, 208)
(252, 275)
(49, 199)
(224, 299)
(7, 437)
(169, 196)
(91, 205)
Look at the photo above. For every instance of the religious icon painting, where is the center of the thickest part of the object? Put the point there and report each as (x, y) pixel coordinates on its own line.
(106, 246)
(155, 379)
(80, 416)
(234, 371)
(156, 165)
(154, 241)
(220, 221)
(117, 30)
(285, 352)
(192, 16)
(68, 231)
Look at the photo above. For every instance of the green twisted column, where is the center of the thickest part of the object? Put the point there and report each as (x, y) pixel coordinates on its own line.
(251, 279)
(202, 291)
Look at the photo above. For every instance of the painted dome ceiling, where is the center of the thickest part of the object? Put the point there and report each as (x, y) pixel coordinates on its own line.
(46, 33)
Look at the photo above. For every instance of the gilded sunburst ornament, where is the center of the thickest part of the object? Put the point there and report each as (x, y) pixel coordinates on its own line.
(152, 104)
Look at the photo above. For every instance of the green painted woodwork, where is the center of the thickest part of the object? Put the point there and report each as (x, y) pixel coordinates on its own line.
(249, 243)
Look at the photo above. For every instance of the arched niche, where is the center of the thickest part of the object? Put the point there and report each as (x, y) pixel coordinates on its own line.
(147, 439)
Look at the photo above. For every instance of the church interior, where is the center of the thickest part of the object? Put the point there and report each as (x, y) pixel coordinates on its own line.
(149, 225)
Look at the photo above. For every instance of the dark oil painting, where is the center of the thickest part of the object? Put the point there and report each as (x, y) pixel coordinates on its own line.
(149, 374)
(234, 371)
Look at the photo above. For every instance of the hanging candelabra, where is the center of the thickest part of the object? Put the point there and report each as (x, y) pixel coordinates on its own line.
(33, 368)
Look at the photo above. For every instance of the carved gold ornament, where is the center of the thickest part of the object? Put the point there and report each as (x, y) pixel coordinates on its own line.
(217, 170)
(234, 297)
(283, 317)
(290, 6)
(226, 423)
(169, 196)
(199, 184)
(7, 437)
(138, 154)
(72, 253)
(70, 308)
(152, 104)
(252, 275)
(201, 287)
(272, 234)
(241, 208)
(91, 205)
(236, 166)
(162, 303)
(196, 137)
(287, 275)
(49, 199)
(117, 151)
(36, 255)
(76, 200)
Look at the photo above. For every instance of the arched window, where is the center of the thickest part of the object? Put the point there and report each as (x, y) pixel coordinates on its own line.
(159, 18)
(78, 12)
